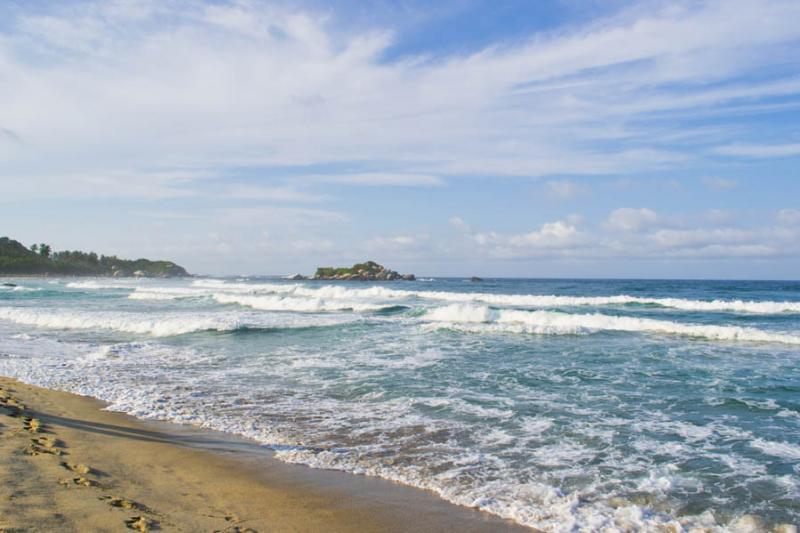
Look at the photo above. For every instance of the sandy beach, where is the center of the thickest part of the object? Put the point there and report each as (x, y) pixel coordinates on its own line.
(66, 465)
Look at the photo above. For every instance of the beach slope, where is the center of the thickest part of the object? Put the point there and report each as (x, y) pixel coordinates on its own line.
(66, 465)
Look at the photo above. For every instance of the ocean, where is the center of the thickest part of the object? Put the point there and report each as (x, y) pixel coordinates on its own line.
(565, 405)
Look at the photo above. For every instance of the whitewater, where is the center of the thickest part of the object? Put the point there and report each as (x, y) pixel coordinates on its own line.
(564, 405)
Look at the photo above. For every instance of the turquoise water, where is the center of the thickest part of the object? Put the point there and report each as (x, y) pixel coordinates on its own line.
(565, 405)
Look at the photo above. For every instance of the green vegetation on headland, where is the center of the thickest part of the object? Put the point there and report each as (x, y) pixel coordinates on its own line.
(369, 271)
(39, 259)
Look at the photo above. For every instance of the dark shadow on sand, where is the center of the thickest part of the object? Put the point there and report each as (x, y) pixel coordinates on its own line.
(189, 439)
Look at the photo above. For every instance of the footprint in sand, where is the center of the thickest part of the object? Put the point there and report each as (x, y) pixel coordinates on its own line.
(14, 402)
(122, 503)
(235, 527)
(35, 449)
(77, 468)
(47, 442)
(11, 406)
(33, 425)
(140, 523)
(79, 481)
(44, 444)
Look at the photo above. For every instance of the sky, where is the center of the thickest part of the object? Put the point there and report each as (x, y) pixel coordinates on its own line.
(551, 138)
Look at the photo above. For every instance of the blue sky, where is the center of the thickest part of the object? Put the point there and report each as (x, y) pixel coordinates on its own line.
(550, 138)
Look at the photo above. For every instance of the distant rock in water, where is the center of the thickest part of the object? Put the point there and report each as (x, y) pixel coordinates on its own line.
(296, 277)
(475, 279)
(369, 271)
(39, 260)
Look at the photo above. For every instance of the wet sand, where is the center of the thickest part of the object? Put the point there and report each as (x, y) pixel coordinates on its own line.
(66, 465)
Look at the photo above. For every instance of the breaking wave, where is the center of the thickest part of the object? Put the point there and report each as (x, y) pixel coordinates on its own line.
(155, 325)
(172, 293)
(571, 434)
(98, 285)
(19, 288)
(738, 306)
(283, 303)
(513, 300)
(483, 319)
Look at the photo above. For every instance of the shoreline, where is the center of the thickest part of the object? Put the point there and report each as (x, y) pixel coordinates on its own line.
(68, 465)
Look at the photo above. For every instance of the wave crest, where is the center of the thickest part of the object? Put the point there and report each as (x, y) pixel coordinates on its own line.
(482, 319)
(157, 326)
(284, 303)
(508, 300)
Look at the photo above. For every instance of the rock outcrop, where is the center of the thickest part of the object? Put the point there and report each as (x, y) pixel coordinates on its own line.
(369, 271)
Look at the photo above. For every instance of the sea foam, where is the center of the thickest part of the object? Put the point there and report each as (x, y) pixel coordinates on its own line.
(284, 303)
(472, 318)
(98, 285)
(563, 435)
(19, 288)
(507, 300)
(158, 326)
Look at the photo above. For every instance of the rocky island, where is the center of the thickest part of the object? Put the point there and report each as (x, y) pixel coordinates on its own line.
(368, 271)
(39, 260)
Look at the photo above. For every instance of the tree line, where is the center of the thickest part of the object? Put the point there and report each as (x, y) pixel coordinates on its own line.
(39, 258)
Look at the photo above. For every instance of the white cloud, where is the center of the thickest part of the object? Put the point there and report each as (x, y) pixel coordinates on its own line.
(459, 224)
(719, 184)
(283, 217)
(631, 219)
(382, 179)
(276, 193)
(98, 88)
(560, 237)
(702, 237)
(160, 100)
(719, 216)
(759, 150)
(314, 246)
(789, 216)
(725, 242)
(558, 234)
(393, 243)
(635, 233)
(117, 184)
(565, 189)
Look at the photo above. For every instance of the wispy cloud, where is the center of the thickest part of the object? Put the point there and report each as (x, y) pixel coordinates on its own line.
(565, 189)
(719, 184)
(277, 193)
(291, 131)
(641, 234)
(631, 219)
(759, 150)
(100, 87)
(282, 217)
(551, 238)
(112, 184)
(8, 135)
(789, 217)
(381, 179)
